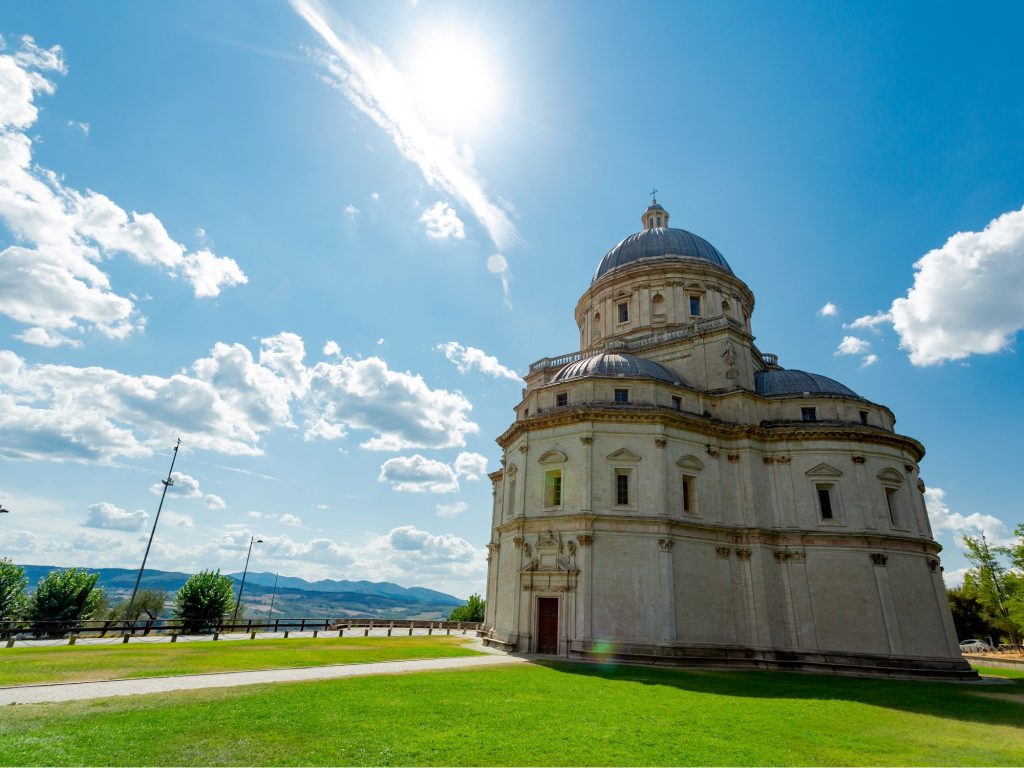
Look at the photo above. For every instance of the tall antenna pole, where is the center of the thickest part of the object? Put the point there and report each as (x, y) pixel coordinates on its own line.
(167, 484)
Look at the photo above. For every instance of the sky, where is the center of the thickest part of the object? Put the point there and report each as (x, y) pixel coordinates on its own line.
(321, 241)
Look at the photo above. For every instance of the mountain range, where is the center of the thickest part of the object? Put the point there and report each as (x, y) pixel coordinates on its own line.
(294, 597)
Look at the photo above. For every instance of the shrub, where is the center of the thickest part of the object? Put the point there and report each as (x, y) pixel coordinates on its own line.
(63, 599)
(148, 605)
(471, 611)
(204, 601)
(12, 590)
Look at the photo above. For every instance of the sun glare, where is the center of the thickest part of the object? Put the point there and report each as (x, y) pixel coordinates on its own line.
(454, 82)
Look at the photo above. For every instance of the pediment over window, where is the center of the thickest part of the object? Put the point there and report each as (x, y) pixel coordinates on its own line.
(690, 462)
(623, 454)
(552, 457)
(824, 470)
(890, 475)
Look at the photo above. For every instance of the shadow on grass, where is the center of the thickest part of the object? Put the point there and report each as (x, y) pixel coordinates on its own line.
(969, 702)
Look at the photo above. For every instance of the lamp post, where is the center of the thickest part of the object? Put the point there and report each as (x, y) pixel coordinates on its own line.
(238, 603)
(272, 596)
(2, 510)
(167, 484)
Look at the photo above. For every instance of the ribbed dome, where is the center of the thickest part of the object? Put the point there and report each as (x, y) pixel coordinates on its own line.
(779, 381)
(614, 364)
(659, 242)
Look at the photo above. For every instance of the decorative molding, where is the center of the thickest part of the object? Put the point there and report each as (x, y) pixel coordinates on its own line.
(623, 454)
(783, 459)
(712, 452)
(585, 539)
(933, 564)
(879, 559)
(768, 459)
(781, 555)
(824, 470)
(571, 546)
(723, 552)
(526, 549)
(858, 459)
(743, 554)
(660, 442)
(523, 448)
(517, 541)
(797, 557)
(689, 461)
(666, 544)
(910, 468)
(734, 458)
(552, 457)
(586, 439)
(512, 469)
(890, 475)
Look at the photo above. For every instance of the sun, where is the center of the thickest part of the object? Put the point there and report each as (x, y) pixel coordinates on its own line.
(454, 82)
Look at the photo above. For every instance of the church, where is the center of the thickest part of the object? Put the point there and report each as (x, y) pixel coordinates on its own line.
(670, 493)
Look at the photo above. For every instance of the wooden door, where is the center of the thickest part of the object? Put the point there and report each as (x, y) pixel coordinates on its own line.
(547, 625)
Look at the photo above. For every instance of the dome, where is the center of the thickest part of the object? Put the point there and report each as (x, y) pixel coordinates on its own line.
(659, 242)
(614, 364)
(779, 381)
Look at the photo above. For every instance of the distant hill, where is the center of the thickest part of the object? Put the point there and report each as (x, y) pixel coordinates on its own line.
(294, 597)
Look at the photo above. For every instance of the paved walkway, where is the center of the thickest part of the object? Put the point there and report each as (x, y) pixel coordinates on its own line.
(57, 692)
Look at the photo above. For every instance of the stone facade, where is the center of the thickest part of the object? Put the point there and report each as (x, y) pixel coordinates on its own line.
(666, 495)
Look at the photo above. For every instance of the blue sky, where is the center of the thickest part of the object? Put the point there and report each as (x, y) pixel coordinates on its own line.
(317, 240)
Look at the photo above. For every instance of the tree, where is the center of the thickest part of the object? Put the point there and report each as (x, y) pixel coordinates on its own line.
(204, 601)
(471, 611)
(148, 601)
(12, 590)
(1013, 580)
(968, 615)
(63, 599)
(986, 582)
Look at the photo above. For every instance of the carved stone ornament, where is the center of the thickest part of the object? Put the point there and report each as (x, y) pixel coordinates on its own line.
(526, 549)
(796, 557)
(768, 459)
(933, 564)
(493, 547)
(732, 373)
(712, 452)
(920, 485)
(783, 459)
(571, 546)
(585, 539)
(586, 439)
(859, 459)
(743, 554)
(909, 467)
(729, 355)
(660, 442)
(781, 555)
(879, 559)
(518, 541)
(523, 448)
(734, 458)
(666, 544)
(723, 552)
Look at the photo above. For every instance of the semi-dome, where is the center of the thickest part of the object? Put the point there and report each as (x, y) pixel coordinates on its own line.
(780, 381)
(615, 364)
(658, 240)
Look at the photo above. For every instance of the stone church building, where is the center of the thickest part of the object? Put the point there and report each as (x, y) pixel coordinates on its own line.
(671, 493)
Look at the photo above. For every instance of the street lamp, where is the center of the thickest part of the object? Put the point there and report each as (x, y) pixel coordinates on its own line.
(238, 603)
(2, 510)
(272, 596)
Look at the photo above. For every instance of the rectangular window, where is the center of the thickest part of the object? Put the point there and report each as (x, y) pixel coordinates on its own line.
(863, 417)
(511, 498)
(695, 306)
(621, 395)
(622, 488)
(687, 495)
(893, 502)
(624, 312)
(553, 488)
(825, 502)
(677, 403)
(809, 414)
(562, 398)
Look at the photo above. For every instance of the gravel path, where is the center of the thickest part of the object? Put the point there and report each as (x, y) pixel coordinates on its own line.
(57, 692)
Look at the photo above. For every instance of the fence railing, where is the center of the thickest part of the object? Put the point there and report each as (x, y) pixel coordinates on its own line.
(125, 628)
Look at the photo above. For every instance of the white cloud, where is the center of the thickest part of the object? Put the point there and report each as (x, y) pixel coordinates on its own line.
(51, 278)
(829, 310)
(467, 358)
(41, 337)
(868, 360)
(106, 515)
(380, 342)
(351, 210)
(398, 408)
(954, 579)
(254, 514)
(320, 506)
(967, 298)
(331, 348)
(418, 474)
(441, 222)
(375, 196)
(289, 519)
(81, 126)
(471, 466)
(869, 322)
(178, 520)
(498, 265)
(213, 501)
(367, 78)
(944, 519)
(451, 510)
(851, 345)
(182, 485)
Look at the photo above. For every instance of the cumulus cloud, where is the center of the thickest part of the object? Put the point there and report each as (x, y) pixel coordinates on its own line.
(41, 337)
(351, 210)
(364, 74)
(441, 222)
(289, 519)
(851, 345)
(451, 510)
(181, 485)
(111, 517)
(468, 358)
(398, 408)
(418, 474)
(944, 519)
(870, 322)
(954, 579)
(51, 278)
(331, 348)
(967, 298)
(829, 310)
(868, 360)
(213, 501)
(471, 466)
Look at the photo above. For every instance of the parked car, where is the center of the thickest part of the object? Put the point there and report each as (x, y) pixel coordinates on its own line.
(975, 646)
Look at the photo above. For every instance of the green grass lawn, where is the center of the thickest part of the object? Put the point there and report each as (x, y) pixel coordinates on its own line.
(23, 666)
(553, 714)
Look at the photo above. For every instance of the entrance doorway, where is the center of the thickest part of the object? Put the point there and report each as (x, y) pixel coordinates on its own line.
(547, 625)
